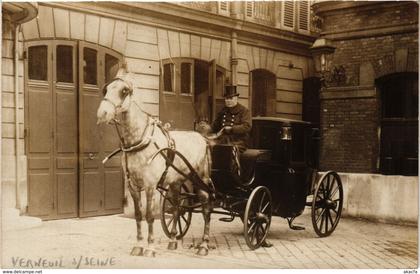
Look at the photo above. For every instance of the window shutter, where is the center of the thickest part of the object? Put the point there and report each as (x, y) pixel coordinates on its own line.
(304, 15)
(249, 8)
(288, 14)
(224, 7)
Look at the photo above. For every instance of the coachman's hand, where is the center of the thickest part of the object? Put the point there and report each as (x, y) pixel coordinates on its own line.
(228, 129)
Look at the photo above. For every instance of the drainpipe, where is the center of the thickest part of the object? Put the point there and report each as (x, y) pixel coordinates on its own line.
(17, 144)
(234, 58)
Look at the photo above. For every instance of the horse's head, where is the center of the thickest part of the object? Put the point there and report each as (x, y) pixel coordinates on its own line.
(116, 98)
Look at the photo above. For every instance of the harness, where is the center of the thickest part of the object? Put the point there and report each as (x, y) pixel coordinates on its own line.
(168, 153)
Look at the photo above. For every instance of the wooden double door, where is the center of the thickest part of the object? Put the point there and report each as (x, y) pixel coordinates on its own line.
(64, 146)
(191, 90)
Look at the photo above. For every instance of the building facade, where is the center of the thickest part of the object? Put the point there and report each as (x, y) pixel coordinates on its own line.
(57, 56)
(181, 56)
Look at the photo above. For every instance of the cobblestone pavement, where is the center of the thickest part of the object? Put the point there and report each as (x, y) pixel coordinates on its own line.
(106, 242)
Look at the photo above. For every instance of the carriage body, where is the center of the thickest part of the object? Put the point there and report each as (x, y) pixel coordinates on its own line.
(289, 172)
(277, 174)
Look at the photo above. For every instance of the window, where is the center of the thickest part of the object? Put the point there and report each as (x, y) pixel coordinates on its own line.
(111, 67)
(288, 14)
(185, 78)
(304, 15)
(399, 124)
(168, 77)
(64, 64)
(37, 63)
(90, 64)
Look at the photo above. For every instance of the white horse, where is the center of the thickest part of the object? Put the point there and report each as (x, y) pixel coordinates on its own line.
(142, 138)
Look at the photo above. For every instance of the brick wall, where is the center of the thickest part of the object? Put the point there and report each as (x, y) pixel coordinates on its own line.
(349, 135)
(371, 41)
(363, 17)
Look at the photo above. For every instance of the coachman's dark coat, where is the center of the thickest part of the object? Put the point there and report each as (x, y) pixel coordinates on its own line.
(239, 118)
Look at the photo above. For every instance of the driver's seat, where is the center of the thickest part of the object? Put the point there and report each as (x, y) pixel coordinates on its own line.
(225, 166)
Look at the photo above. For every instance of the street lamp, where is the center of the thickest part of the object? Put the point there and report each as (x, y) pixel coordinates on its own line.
(320, 50)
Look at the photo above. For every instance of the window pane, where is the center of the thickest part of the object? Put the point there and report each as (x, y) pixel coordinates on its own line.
(89, 69)
(65, 64)
(37, 63)
(186, 78)
(168, 77)
(111, 67)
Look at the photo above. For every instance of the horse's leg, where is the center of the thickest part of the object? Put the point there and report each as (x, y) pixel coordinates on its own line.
(207, 203)
(175, 190)
(136, 195)
(150, 219)
(137, 212)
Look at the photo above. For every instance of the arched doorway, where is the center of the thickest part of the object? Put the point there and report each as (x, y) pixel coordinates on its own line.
(191, 90)
(263, 84)
(398, 94)
(63, 81)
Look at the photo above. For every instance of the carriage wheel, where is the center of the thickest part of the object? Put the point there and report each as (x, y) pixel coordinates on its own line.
(327, 204)
(257, 217)
(167, 206)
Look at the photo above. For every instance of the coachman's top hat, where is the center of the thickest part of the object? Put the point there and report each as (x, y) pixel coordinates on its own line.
(230, 91)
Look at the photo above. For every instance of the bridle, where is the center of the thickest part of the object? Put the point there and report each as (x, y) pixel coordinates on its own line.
(127, 92)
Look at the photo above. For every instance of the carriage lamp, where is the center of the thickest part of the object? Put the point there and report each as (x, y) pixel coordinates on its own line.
(286, 133)
(321, 50)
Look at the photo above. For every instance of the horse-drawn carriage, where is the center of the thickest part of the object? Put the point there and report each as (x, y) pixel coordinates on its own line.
(274, 178)
(277, 177)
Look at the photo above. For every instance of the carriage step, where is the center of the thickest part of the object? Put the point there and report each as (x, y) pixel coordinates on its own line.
(292, 226)
(296, 227)
(227, 219)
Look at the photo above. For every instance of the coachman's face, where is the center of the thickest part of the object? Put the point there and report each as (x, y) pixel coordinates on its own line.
(230, 102)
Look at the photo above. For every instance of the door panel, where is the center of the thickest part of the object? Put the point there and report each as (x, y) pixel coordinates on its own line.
(65, 128)
(39, 126)
(67, 193)
(96, 65)
(113, 192)
(92, 193)
(40, 200)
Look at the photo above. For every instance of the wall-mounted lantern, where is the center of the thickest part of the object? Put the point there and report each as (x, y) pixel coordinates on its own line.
(321, 50)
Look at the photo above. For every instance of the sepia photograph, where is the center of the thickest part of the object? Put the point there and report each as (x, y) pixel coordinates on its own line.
(209, 135)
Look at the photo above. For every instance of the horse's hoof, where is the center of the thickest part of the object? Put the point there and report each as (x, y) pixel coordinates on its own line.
(137, 251)
(149, 253)
(203, 251)
(173, 245)
(139, 238)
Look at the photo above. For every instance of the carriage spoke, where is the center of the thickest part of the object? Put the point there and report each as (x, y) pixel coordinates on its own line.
(326, 221)
(262, 200)
(331, 187)
(265, 207)
(322, 212)
(179, 226)
(171, 220)
(330, 218)
(322, 221)
(182, 216)
(251, 227)
(334, 192)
